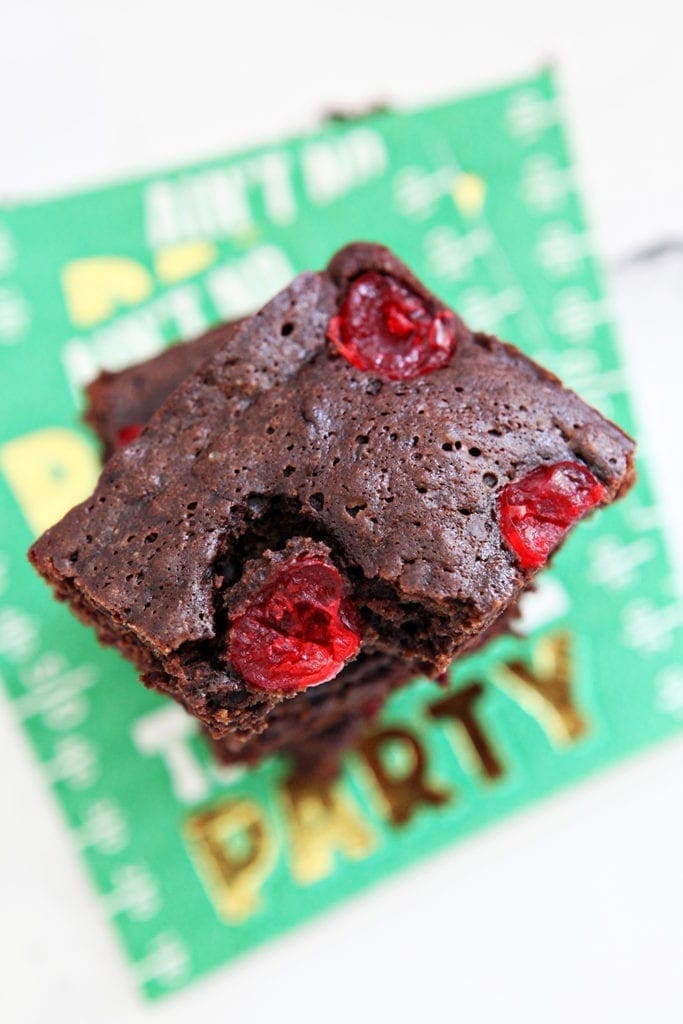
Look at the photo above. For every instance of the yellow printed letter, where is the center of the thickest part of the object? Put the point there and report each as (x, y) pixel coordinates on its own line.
(545, 689)
(322, 819)
(94, 287)
(403, 786)
(234, 851)
(459, 706)
(49, 471)
(176, 262)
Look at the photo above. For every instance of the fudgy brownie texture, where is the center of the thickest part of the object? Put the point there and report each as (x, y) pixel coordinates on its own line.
(119, 404)
(278, 436)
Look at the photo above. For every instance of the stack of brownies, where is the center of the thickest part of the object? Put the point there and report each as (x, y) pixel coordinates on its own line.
(302, 511)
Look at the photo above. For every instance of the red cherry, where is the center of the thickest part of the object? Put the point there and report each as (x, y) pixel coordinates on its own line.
(386, 328)
(536, 512)
(128, 433)
(298, 631)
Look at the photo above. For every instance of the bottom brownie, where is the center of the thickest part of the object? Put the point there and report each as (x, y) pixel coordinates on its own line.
(316, 727)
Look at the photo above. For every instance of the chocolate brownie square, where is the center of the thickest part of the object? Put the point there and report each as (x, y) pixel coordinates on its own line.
(355, 471)
(317, 725)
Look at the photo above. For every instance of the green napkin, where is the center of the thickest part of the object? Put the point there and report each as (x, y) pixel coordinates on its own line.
(194, 864)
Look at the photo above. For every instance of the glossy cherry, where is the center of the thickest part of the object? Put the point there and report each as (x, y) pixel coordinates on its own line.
(536, 512)
(298, 631)
(385, 328)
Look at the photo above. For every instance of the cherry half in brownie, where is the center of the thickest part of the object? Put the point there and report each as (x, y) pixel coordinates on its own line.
(355, 471)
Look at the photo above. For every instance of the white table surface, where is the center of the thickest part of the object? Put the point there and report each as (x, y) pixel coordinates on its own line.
(574, 909)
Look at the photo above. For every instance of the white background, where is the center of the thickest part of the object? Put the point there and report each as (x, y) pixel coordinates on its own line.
(573, 911)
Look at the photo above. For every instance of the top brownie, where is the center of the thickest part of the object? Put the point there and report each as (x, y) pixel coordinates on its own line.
(355, 425)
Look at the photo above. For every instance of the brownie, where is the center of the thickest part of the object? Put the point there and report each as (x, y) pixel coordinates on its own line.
(119, 404)
(317, 726)
(410, 478)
